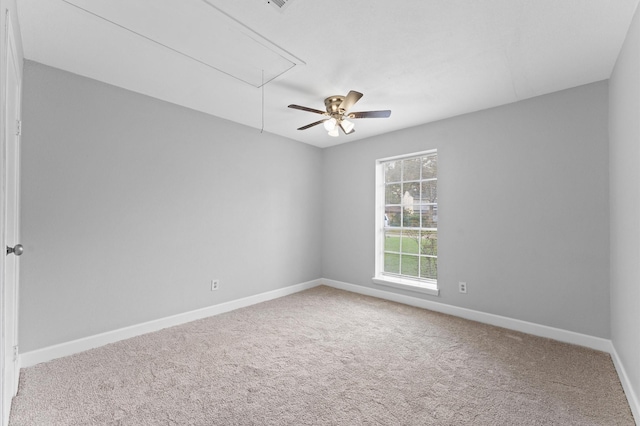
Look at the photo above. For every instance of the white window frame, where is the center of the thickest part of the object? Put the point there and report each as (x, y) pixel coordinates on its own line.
(417, 285)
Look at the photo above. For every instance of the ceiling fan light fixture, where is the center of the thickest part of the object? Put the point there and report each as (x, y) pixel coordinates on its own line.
(330, 124)
(347, 126)
(337, 112)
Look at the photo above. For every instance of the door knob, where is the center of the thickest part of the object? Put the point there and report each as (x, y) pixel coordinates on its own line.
(17, 250)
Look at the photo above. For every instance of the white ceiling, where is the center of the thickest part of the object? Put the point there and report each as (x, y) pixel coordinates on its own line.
(423, 59)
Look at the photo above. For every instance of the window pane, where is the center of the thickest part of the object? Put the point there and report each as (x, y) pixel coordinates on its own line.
(429, 192)
(409, 265)
(428, 267)
(411, 195)
(430, 217)
(392, 171)
(411, 169)
(392, 240)
(392, 263)
(410, 241)
(429, 243)
(429, 167)
(411, 218)
(392, 216)
(393, 193)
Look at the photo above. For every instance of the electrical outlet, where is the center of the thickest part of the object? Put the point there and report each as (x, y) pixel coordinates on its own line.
(215, 284)
(462, 287)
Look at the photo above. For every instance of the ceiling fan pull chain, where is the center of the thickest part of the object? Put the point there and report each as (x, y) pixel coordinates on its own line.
(262, 86)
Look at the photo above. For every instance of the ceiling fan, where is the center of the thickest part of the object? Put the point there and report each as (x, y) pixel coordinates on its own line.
(337, 113)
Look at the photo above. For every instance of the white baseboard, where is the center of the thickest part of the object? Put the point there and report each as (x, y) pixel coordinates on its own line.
(28, 359)
(592, 342)
(597, 343)
(632, 396)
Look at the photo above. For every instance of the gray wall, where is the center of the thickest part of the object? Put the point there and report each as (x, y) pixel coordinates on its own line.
(523, 208)
(131, 205)
(624, 169)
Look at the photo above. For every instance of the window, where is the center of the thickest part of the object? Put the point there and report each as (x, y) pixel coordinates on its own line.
(407, 222)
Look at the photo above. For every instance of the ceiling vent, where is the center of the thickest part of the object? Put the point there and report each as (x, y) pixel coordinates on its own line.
(279, 4)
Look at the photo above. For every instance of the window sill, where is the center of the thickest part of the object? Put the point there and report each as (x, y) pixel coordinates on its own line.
(419, 287)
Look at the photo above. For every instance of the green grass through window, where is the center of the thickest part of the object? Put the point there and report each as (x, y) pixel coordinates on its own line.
(409, 262)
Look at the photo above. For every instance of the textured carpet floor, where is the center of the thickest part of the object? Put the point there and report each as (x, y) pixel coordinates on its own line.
(326, 356)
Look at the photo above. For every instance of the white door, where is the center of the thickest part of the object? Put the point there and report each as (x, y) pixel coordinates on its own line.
(11, 228)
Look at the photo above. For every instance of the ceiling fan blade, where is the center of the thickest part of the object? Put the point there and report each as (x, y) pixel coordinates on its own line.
(350, 100)
(303, 108)
(370, 114)
(344, 131)
(312, 124)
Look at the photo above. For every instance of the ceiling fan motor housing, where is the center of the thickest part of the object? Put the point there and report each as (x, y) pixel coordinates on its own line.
(332, 103)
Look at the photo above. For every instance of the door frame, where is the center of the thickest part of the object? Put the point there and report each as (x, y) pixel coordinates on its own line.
(9, 368)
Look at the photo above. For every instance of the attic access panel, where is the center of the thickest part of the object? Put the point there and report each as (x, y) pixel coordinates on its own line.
(199, 31)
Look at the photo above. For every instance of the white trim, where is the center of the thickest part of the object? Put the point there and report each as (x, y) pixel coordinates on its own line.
(403, 156)
(632, 396)
(28, 359)
(10, 367)
(69, 348)
(379, 220)
(409, 285)
(566, 336)
(381, 227)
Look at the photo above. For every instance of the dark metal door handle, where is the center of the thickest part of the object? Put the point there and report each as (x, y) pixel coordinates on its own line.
(17, 250)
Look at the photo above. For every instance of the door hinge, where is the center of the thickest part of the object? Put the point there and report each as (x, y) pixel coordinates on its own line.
(18, 127)
(15, 353)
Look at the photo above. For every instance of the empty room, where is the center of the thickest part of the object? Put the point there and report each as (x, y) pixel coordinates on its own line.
(293, 212)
